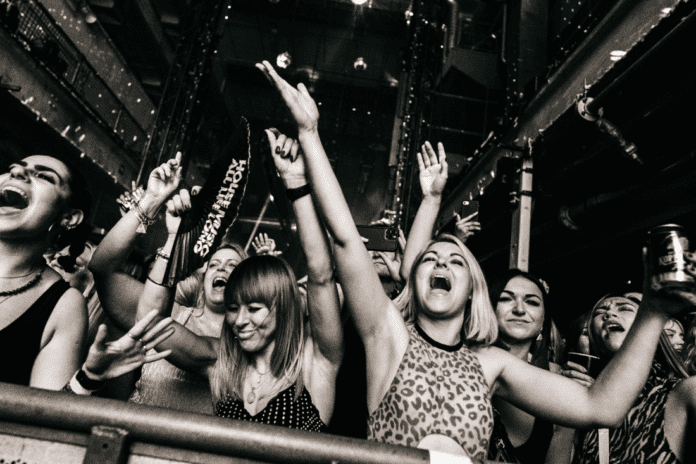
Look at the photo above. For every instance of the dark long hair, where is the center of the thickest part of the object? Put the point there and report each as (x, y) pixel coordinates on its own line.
(80, 198)
(540, 348)
(665, 356)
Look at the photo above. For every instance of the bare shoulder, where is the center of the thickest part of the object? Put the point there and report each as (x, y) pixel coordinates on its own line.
(685, 392)
(70, 311)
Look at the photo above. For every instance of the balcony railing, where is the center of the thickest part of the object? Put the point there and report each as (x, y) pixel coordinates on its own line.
(45, 41)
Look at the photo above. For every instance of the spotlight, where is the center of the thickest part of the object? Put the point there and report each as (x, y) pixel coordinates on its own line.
(284, 60)
(90, 17)
(360, 64)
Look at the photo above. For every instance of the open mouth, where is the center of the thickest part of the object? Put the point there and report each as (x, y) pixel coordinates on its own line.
(219, 282)
(13, 197)
(614, 327)
(438, 282)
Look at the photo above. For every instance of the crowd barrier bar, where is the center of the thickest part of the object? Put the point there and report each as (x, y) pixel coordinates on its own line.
(68, 412)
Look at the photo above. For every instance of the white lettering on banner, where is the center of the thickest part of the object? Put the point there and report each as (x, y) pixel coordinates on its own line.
(229, 186)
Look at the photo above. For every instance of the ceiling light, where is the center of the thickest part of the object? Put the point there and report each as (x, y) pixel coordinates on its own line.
(359, 2)
(90, 17)
(284, 60)
(360, 64)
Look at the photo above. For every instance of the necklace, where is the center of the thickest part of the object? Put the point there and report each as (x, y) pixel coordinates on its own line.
(24, 287)
(19, 276)
(251, 397)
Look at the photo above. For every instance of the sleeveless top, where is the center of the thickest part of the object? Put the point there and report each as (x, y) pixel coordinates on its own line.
(640, 439)
(438, 389)
(282, 410)
(165, 385)
(22, 338)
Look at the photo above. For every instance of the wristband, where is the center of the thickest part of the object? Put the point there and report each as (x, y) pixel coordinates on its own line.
(297, 193)
(161, 284)
(143, 218)
(87, 383)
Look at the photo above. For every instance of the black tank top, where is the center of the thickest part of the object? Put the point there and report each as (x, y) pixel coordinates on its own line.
(20, 342)
(535, 448)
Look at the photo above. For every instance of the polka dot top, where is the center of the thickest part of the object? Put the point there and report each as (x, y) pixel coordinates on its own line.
(282, 410)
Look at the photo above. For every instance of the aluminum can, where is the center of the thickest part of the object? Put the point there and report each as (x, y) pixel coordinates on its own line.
(668, 244)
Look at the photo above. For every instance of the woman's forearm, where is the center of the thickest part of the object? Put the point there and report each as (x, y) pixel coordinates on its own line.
(117, 245)
(421, 232)
(327, 190)
(155, 294)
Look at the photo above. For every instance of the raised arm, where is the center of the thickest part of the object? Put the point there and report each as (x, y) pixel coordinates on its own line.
(379, 323)
(433, 177)
(118, 292)
(154, 294)
(322, 296)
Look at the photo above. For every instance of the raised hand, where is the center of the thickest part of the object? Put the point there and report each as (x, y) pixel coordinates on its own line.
(176, 207)
(465, 227)
(300, 103)
(107, 360)
(433, 170)
(287, 158)
(264, 245)
(165, 179)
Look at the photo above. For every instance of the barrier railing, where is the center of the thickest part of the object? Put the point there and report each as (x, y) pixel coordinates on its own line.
(107, 426)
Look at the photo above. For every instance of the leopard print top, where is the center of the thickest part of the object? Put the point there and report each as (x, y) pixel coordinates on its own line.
(640, 439)
(438, 389)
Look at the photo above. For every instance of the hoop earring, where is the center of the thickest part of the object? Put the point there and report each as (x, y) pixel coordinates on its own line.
(51, 229)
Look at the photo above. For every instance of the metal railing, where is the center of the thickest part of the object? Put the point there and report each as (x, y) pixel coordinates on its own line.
(44, 40)
(169, 429)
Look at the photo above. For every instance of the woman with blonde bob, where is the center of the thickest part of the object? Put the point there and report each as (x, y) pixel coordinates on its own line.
(429, 382)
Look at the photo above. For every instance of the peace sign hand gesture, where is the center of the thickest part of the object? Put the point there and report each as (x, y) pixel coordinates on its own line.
(300, 103)
(433, 170)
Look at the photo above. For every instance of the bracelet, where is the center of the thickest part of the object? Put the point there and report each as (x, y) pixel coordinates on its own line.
(297, 193)
(162, 254)
(87, 383)
(161, 284)
(145, 221)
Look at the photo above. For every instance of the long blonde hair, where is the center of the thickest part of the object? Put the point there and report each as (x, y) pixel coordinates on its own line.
(480, 324)
(271, 281)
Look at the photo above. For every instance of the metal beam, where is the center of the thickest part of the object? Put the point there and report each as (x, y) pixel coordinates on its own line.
(628, 22)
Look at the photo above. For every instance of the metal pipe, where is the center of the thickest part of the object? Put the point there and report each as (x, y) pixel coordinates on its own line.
(258, 221)
(194, 431)
(456, 131)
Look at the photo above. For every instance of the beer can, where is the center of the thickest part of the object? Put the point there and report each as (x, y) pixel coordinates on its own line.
(668, 244)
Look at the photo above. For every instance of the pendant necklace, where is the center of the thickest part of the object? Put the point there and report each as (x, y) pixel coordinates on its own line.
(251, 397)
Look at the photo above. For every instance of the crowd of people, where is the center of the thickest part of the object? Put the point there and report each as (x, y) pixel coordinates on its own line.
(452, 362)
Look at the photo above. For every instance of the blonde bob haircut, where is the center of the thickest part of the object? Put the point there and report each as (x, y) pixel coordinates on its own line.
(480, 324)
(268, 280)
